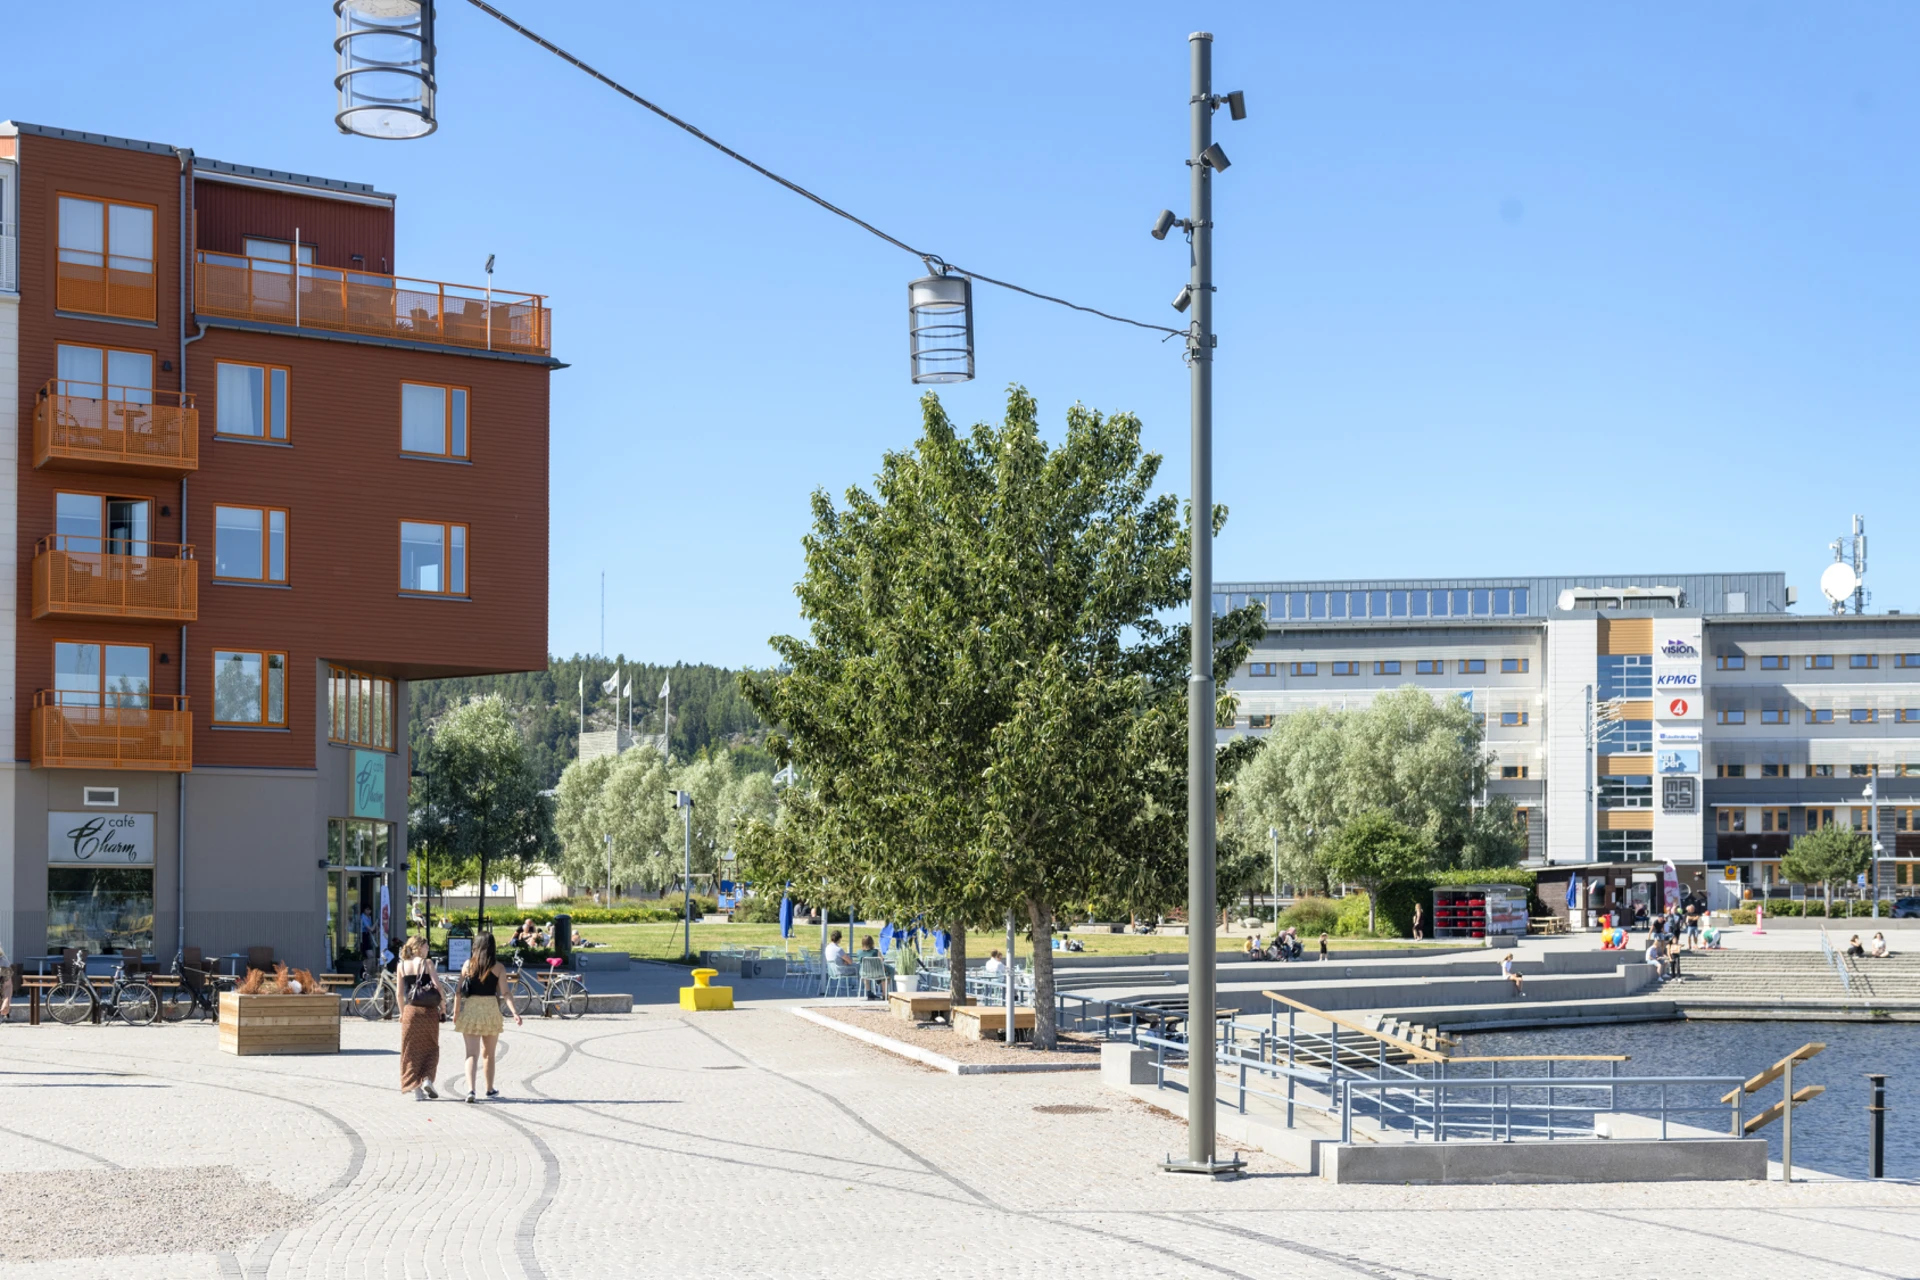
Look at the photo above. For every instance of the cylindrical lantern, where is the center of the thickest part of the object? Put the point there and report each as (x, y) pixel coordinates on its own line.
(940, 324)
(386, 68)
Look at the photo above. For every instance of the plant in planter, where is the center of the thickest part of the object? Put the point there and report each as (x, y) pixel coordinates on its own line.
(285, 1011)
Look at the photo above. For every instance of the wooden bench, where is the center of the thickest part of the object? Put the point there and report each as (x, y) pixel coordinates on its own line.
(977, 1021)
(921, 1006)
(1546, 924)
(332, 980)
(35, 983)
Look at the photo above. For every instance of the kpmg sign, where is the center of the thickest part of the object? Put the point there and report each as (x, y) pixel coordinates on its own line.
(100, 839)
(1676, 669)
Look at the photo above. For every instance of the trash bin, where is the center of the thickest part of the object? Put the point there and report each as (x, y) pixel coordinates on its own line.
(563, 938)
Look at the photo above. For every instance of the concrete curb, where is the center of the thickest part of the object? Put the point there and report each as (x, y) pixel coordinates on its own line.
(929, 1058)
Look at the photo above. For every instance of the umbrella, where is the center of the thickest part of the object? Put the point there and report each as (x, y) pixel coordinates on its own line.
(786, 916)
(886, 938)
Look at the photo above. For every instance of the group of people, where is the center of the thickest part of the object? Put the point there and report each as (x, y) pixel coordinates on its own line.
(1877, 948)
(1286, 945)
(476, 1015)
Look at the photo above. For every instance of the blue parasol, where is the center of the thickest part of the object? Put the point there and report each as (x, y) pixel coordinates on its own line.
(786, 916)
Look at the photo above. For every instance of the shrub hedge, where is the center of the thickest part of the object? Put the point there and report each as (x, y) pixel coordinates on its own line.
(665, 911)
(1397, 899)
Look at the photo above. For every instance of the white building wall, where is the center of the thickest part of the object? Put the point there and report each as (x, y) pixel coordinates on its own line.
(9, 529)
(1573, 648)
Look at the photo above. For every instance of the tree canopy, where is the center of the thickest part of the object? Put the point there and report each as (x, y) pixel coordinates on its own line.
(1832, 855)
(628, 798)
(1373, 849)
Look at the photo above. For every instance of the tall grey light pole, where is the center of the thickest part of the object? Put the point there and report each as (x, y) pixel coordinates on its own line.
(1204, 159)
(683, 801)
(1273, 834)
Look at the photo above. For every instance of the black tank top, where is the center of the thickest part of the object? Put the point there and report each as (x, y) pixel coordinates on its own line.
(486, 984)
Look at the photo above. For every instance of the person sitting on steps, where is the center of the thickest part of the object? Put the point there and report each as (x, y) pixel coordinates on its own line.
(1512, 974)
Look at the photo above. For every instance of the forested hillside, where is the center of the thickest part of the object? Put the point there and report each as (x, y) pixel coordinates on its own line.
(708, 710)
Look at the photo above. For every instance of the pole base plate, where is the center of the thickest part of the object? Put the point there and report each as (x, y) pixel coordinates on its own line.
(1213, 1166)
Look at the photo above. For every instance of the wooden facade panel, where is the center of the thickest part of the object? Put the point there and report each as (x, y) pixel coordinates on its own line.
(1637, 709)
(1626, 819)
(1626, 635)
(337, 229)
(1626, 766)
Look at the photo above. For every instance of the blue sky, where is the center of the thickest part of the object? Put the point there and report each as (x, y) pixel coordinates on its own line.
(1504, 287)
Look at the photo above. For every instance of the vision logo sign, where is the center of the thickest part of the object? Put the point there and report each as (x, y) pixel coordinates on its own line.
(1674, 647)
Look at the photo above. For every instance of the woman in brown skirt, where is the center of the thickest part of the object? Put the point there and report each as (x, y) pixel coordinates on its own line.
(419, 1020)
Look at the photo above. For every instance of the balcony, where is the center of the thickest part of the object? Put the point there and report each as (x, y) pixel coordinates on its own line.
(97, 285)
(150, 731)
(370, 304)
(88, 427)
(78, 578)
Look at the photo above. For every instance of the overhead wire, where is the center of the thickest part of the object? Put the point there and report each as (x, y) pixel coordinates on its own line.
(930, 259)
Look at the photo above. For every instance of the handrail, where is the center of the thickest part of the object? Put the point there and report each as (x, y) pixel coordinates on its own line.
(1414, 1051)
(155, 550)
(1492, 1084)
(1833, 958)
(1778, 1069)
(82, 389)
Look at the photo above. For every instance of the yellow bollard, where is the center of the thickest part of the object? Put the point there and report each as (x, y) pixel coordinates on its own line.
(702, 996)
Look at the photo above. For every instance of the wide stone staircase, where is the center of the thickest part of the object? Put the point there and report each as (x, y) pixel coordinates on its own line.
(1892, 977)
(1769, 976)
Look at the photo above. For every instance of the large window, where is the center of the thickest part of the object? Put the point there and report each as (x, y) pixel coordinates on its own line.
(1390, 667)
(250, 544)
(1626, 737)
(358, 843)
(1634, 792)
(1263, 668)
(86, 674)
(106, 258)
(1473, 666)
(251, 400)
(1626, 675)
(433, 422)
(433, 558)
(1513, 666)
(360, 709)
(1306, 668)
(102, 373)
(100, 908)
(1512, 719)
(1626, 846)
(1772, 662)
(93, 522)
(250, 688)
(1430, 667)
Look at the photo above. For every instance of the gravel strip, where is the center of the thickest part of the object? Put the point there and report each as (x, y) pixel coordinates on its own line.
(94, 1213)
(932, 1035)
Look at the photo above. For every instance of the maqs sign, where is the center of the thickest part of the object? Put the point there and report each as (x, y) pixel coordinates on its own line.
(100, 839)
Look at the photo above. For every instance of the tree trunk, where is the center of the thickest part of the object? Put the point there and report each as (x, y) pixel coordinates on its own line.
(957, 961)
(1373, 902)
(1046, 1034)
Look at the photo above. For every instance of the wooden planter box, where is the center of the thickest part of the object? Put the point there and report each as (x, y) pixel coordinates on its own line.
(279, 1024)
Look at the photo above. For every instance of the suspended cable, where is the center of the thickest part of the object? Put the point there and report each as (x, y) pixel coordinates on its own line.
(934, 261)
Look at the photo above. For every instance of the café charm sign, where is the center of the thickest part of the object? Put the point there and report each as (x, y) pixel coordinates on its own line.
(100, 839)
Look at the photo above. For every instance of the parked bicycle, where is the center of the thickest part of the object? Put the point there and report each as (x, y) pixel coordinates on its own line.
(196, 993)
(378, 998)
(129, 999)
(551, 992)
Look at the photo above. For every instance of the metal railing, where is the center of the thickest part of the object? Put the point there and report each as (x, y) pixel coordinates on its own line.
(120, 286)
(9, 260)
(135, 426)
(75, 577)
(111, 731)
(1838, 965)
(366, 302)
(1490, 1112)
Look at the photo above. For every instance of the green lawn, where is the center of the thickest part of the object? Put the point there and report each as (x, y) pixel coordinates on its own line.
(663, 941)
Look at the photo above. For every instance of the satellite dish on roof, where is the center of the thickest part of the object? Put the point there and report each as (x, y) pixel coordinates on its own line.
(1838, 581)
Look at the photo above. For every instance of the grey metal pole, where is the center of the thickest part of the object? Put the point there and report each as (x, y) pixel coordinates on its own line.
(1786, 1128)
(686, 808)
(1877, 1129)
(1012, 1004)
(1273, 834)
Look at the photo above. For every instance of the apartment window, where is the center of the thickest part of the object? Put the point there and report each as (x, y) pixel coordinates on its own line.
(359, 709)
(1907, 715)
(1906, 659)
(1730, 662)
(1306, 668)
(1513, 771)
(1731, 715)
(1512, 719)
(262, 249)
(1260, 722)
(92, 522)
(250, 544)
(1730, 821)
(1776, 715)
(250, 401)
(1862, 715)
(1820, 715)
(1775, 662)
(1346, 668)
(106, 258)
(1626, 846)
(1818, 818)
(1480, 722)
(1772, 769)
(1626, 675)
(1863, 661)
(1819, 771)
(1626, 737)
(1862, 770)
(1473, 666)
(1819, 662)
(1774, 820)
(433, 559)
(1263, 668)
(433, 422)
(1430, 667)
(1523, 818)
(86, 674)
(1908, 770)
(1513, 666)
(1390, 667)
(101, 373)
(1730, 771)
(1906, 819)
(1629, 792)
(250, 688)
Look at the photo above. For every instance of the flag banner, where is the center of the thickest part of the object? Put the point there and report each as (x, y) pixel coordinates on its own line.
(612, 684)
(666, 687)
(628, 691)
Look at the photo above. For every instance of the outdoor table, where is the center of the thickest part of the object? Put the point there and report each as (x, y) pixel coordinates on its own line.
(35, 986)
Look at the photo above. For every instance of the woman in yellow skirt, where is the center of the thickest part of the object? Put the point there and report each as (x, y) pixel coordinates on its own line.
(476, 1009)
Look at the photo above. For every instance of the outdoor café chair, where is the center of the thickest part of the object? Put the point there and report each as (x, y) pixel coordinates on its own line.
(260, 958)
(840, 978)
(873, 976)
(801, 970)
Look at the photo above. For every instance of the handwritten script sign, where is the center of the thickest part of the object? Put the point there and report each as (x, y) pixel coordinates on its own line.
(369, 784)
(100, 839)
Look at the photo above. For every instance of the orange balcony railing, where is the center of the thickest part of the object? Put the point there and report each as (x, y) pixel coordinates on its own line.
(81, 578)
(97, 285)
(367, 303)
(112, 731)
(90, 423)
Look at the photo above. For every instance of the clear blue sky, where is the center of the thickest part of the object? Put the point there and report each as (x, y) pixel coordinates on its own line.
(1504, 288)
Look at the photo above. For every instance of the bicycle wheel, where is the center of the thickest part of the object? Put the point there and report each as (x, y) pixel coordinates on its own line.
(526, 997)
(569, 998)
(138, 1005)
(176, 1005)
(371, 1000)
(70, 1003)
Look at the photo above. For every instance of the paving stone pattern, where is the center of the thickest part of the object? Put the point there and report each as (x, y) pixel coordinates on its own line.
(755, 1144)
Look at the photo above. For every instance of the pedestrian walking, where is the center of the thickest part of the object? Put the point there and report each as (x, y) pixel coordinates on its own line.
(1323, 946)
(476, 1010)
(420, 1015)
(1418, 915)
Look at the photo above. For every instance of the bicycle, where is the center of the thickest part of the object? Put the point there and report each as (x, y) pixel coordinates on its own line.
(561, 993)
(129, 999)
(377, 999)
(195, 994)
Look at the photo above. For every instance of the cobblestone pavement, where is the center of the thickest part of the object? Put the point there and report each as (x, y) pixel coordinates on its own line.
(754, 1144)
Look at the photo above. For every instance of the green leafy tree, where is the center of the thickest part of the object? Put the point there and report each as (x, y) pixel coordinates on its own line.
(1832, 855)
(989, 707)
(478, 800)
(1495, 836)
(1376, 848)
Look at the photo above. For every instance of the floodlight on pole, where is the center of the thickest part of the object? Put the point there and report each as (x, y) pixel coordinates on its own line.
(940, 327)
(1237, 104)
(1163, 224)
(1214, 158)
(1183, 299)
(385, 76)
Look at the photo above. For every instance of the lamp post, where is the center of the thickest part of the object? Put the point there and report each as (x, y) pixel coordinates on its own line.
(1872, 794)
(1204, 159)
(1273, 834)
(609, 840)
(683, 801)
